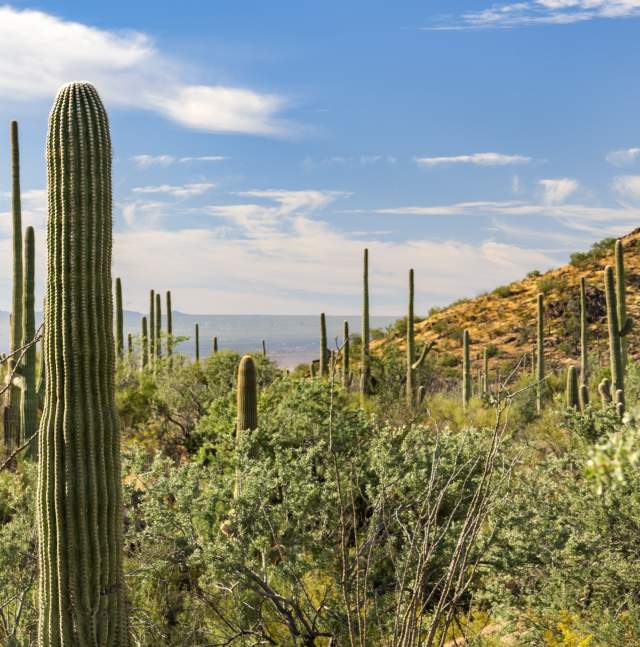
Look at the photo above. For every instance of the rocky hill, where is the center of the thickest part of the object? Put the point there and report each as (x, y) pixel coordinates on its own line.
(504, 320)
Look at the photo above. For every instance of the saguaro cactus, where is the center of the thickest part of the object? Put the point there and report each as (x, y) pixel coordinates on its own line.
(169, 326)
(584, 360)
(466, 370)
(604, 389)
(215, 345)
(485, 371)
(264, 348)
(29, 402)
(152, 327)
(540, 353)
(572, 388)
(617, 330)
(129, 346)
(410, 344)
(158, 322)
(247, 401)
(345, 356)
(324, 350)
(144, 344)
(197, 341)
(14, 395)
(119, 320)
(79, 506)
(621, 299)
(365, 361)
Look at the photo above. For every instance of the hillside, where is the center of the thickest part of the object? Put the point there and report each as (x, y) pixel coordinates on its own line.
(504, 320)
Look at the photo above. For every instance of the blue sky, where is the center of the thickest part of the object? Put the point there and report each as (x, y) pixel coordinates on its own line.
(258, 147)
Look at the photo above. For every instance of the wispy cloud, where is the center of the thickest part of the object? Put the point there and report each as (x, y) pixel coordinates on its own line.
(559, 190)
(538, 12)
(623, 157)
(145, 161)
(39, 52)
(177, 191)
(627, 187)
(478, 159)
(340, 160)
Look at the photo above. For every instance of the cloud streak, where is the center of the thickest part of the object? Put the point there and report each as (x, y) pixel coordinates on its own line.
(477, 159)
(40, 52)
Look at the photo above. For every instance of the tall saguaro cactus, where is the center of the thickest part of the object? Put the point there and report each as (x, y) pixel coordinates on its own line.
(197, 340)
(119, 320)
(144, 344)
(247, 402)
(365, 361)
(584, 360)
(466, 370)
(29, 402)
(13, 395)
(540, 352)
(169, 326)
(411, 352)
(572, 396)
(215, 345)
(324, 350)
(152, 327)
(345, 355)
(621, 299)
(79, 506)
(158, 322)
(617, 330)
(485, 371)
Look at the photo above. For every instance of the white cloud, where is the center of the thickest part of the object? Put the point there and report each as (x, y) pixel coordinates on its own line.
(623, 157)
(627, 187)
(177, 191)
(336, 160)
(203, 158)
(145, 161)
(559, 190)
(40, 52)
(539, 12)
(479, 159)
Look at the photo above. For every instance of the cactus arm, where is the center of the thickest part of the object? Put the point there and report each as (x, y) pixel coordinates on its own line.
(426, 349)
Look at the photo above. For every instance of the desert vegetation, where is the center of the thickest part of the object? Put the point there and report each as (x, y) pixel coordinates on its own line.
(460, 479)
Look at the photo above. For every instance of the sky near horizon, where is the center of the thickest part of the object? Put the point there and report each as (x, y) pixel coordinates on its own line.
(259, 147)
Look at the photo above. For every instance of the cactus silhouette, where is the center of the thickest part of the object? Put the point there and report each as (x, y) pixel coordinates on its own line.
(129, 346)
(79, 503)
(14, 393)
(247, 401)
(264, 348)
(119, 320)
(29, 401)
(485, 371)
(572, 398)
(584, 360)
(365, 361)
(324, 351)
(215, 345)
(345, 356)
(152, 328)
(410, 344)
(158, 314)
(466, 370)
(144, 344)
(540, 352)
(615, 331)
(197, 343)
(621, 300)
(169, 327)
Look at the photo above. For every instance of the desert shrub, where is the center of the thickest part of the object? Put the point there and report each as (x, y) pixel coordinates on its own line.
(598, 250)
(503, 291)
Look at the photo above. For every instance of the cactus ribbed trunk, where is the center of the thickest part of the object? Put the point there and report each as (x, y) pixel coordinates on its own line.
(615, 347)
(345, 356)
(79, 507)
(197, 340)
(411, 351)
(158, 315)
(572, 388)
(466, 370)
(621, 299)
(169, 326)
(365, 362)
(324, 351)
(584, 360)
(485, 371)
(14, 396)
(152, 328)
(247, 401)
(119, 320)
(540, 352)
(29, 402)
(144, 344)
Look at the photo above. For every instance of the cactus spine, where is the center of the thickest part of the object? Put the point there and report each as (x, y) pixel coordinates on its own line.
(365, 362)
(410, 344)
(572, 388)
(324, 351)
(14, 395)
(144, 344)
(540, 353)
(158, 335)
(169, 326)
(615, 348)
(584, 362)
(247, 401)
(345, 356)
(29, 401)
(197, 340)
(79, 507)
(621, 300)
(152, 327)
(119, 320)
(466, 370)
